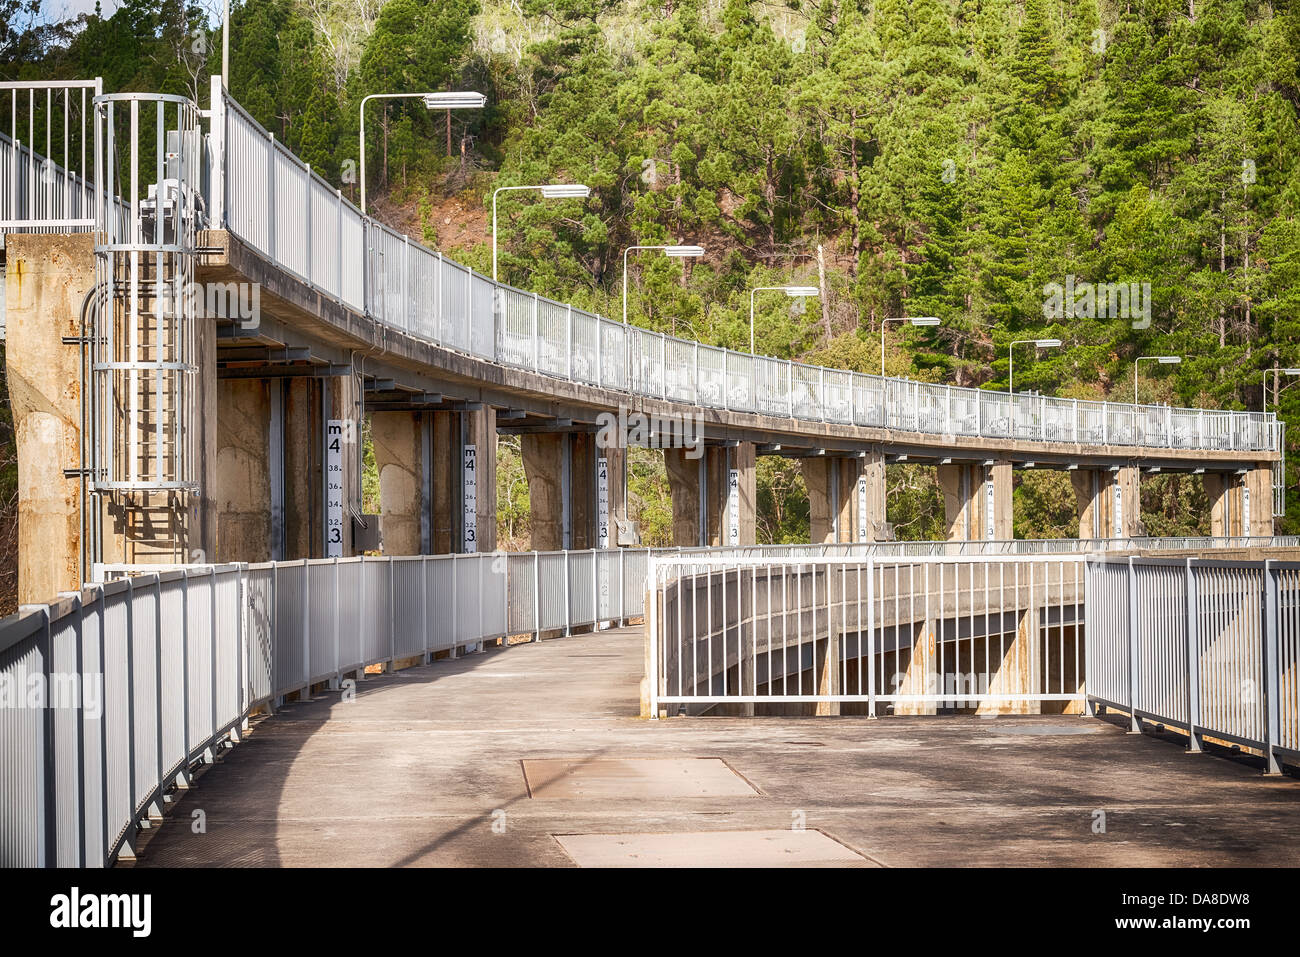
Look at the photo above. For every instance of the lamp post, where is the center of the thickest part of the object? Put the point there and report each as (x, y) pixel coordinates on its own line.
(794, 292)
(916, 321)
(1011, 357)
(1163, 360)
(550, 191)
(432, 101)
(676, 252)
(1278, 389)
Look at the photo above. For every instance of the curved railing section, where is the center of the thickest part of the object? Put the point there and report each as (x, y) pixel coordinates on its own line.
(275, 203)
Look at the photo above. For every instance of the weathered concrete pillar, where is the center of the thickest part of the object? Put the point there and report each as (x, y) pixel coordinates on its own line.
(480, 430)
(1019, 669)
(977, 501)
(449, 434)
(583, 504)
(1240, 504)
(1088, 485)
(46, 280)
(344, 405)
(242, 493)
(614, 489)
(920, 676)
(820, 478)
(398, 439)
(867, 494)
(731, 511)
(543, 455)
(1257, 507)
(304, 493)
(1108, 502)
(685, 488)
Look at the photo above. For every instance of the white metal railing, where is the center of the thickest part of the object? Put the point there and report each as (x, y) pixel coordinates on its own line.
(150, 674)
(274, 202)
(1211, 647)
(908, 634)
(277, 205)
(42, 121)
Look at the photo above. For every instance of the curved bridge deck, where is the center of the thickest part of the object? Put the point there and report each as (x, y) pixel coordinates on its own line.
(418, 768)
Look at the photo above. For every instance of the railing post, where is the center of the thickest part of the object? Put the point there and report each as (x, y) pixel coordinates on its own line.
(1193, 663)
(1135, 723)
(871, 636)
(537, 346)
(568, 603)
(307, 234)
(306, 630)
(568, 317)
(392, 616)
(455, 627)
(217, 143)
(537, 596)
(1271, 669)
(424, 606)
(271, 251)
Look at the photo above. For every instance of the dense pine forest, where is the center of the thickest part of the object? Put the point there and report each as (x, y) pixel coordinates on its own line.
(952, 158)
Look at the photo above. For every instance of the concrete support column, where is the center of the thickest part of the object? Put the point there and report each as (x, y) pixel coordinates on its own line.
(977, 501)
(342, 402)
(544, 465)
(867, 494)
(615, 491)
(1240, 504)
(583, 505)
(46, 279)
(1019, 670)
(479, 427)
(304, 490)
(827, 508)
(919, 676)
(685, 489)
(1088, 486)
(398, 439)
(1109, 502)
(242, 494)
(730, 511)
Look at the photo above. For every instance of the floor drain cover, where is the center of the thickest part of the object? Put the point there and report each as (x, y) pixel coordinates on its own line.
(777, 848)
(633, 778)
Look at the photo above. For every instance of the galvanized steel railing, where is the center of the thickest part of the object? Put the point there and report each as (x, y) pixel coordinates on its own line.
(137, 680)
(277, 205)
(1211, 647)
(910, 634)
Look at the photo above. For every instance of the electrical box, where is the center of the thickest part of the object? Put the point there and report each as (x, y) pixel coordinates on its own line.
(366, 534)
(628, 533)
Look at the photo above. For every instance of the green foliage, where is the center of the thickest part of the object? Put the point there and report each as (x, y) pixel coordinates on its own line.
(949, 157)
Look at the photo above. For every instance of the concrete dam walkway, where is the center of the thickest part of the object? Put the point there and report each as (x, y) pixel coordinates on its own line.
(533, 756)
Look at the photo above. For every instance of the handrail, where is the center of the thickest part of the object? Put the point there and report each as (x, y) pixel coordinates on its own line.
(409, 287)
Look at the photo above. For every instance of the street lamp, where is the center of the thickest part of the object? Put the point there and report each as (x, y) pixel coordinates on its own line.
(676, 252)
(1163, 360)
(1011, 357)
(916, 321)
(551, 191)
(1277, 389)
(458, 100)
(794, 292)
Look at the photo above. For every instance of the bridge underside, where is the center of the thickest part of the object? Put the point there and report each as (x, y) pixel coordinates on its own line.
(273, 394)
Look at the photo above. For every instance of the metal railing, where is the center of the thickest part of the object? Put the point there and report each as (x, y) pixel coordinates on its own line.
(140, 679)
(1211, 647)
(909, 634)
(278, 206)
